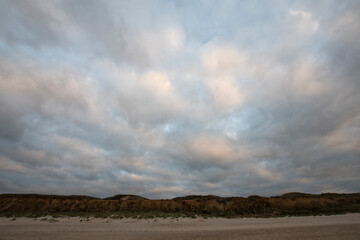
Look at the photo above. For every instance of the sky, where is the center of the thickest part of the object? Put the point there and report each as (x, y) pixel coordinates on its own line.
(171, 98)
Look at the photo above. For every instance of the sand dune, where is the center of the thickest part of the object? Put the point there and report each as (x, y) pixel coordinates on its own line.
(288, 204)
(320, 227)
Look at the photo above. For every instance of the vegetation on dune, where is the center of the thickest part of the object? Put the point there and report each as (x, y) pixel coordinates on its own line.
(119, 206)
(125, 197)
(44, 196)
(197, 197)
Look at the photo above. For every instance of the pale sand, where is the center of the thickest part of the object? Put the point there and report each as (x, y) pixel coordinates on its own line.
(319, 227)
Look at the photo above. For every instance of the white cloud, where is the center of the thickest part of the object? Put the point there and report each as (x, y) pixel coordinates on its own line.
(304, 22)
(160, 44)
(222, 59)
(300, 27)
(221, 64)
(158, 85)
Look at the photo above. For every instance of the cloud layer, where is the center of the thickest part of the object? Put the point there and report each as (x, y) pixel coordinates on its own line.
(168, 98)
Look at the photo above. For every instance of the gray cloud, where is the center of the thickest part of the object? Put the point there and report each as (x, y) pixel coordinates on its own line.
(25, 22)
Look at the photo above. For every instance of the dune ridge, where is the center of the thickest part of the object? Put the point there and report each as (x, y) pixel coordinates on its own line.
(286, 204)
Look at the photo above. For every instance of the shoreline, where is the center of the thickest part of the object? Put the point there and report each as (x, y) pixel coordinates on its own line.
(151, 215)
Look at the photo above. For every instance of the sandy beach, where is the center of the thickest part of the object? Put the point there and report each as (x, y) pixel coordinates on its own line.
(317, 227)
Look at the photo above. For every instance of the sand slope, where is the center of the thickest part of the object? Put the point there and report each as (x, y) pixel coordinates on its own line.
(319, 227)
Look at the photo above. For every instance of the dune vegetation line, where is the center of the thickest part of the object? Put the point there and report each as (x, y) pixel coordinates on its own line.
(119, 206)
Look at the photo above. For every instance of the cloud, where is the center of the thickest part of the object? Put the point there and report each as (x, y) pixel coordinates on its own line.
(305, 23)
(220, 64)
(167, 99)
(213, 149)
(307, 81)
(27, 22)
